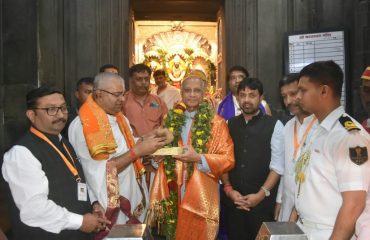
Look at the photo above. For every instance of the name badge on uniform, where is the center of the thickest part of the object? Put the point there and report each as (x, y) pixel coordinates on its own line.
(81, 192)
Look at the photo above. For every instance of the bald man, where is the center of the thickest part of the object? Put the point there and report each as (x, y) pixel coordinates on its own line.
(110, 155)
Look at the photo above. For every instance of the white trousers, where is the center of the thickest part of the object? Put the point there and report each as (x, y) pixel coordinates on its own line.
(315, 231)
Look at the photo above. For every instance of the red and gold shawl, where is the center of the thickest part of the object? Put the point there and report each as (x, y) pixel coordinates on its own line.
(198, 212)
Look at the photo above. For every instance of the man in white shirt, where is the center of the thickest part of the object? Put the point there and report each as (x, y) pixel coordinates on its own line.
(104, 143)
(45, 178)
(332, 172)
(169, 94)
(295, 132)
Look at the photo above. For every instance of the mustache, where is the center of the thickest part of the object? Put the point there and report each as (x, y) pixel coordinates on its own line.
(292, 105)
(63, 120)
(247, 105)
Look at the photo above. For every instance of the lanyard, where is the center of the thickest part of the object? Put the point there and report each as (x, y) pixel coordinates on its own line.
(298, 144)
(72, 168)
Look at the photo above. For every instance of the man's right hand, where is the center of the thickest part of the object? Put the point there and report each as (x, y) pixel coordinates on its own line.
(93, 223)
(149, 146)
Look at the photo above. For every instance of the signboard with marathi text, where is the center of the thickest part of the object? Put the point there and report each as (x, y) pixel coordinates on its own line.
(305, 48)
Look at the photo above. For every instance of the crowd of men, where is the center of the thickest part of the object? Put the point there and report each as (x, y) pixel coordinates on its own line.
(78, 171)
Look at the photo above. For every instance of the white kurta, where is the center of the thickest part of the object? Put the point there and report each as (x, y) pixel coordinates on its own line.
(30, 189)
(330, 171)
(287, 183)
(170, 95)
(95, 171)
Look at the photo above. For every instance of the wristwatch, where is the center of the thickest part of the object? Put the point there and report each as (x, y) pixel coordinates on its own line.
(266, 191)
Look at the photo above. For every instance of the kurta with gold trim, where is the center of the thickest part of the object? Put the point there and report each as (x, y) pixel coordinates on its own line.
(198, 213)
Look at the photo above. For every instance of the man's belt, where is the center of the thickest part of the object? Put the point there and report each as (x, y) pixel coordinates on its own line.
(310, 224)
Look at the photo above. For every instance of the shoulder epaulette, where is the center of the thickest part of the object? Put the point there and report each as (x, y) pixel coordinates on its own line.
(347, 123)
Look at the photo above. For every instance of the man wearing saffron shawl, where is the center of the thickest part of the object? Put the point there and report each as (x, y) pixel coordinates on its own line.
(185, 196)
(109, 155)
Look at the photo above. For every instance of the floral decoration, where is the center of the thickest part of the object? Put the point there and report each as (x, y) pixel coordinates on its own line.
(200, 133)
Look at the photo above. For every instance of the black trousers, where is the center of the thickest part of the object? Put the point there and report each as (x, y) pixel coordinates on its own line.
(244, 225)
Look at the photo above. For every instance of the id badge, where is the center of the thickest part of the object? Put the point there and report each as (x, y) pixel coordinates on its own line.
(81, 192)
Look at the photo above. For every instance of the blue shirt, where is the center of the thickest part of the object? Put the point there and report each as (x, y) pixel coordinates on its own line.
(203, 166)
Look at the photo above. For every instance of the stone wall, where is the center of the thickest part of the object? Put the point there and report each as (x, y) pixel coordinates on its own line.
(257, 28)
(58, 42)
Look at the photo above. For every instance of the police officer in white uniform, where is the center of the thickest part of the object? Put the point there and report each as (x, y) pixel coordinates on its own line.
(296, 131)
(332, 172)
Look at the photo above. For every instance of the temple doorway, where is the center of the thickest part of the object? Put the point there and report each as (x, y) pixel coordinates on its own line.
(180, 36)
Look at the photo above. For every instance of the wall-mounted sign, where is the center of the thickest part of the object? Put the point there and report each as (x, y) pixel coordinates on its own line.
(305, 48)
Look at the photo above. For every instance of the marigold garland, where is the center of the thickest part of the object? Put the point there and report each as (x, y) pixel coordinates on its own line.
(200, 133)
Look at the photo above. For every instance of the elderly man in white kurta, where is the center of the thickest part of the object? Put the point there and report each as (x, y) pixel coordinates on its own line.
(109, 155)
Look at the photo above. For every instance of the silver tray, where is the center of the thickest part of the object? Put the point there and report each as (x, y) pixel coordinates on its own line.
(280, 231)
(129, 232)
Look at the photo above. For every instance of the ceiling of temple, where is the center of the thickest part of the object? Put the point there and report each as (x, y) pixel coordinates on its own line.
(184, 10)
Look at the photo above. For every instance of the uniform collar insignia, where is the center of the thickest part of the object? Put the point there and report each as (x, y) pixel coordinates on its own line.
(347, 123)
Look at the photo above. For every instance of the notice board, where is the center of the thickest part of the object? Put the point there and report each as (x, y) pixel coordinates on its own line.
(303, 48)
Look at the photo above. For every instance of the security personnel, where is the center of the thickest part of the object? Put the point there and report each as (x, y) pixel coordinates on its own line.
(332, 172)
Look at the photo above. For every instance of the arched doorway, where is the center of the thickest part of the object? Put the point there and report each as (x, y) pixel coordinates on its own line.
(183, 47)
(178, 36)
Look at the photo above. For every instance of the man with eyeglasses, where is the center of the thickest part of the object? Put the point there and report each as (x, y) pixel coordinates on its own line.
(110, 155)
(188, 182)
(145, 111)
(45, 178)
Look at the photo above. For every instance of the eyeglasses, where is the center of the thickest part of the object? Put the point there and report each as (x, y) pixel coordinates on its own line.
(115, 94)
(52, 111)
